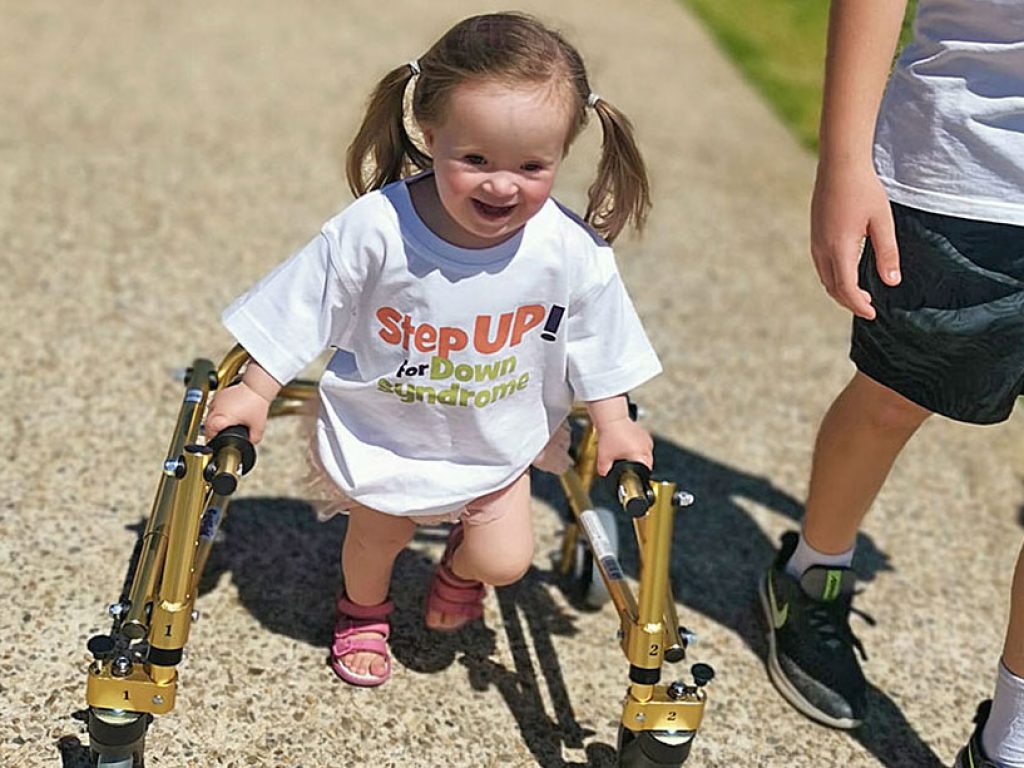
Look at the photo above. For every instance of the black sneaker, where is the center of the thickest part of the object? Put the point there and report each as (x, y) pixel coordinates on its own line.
(972, 756)
(811, 657)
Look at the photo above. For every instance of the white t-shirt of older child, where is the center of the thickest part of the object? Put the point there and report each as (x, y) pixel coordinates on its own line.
(950, 132)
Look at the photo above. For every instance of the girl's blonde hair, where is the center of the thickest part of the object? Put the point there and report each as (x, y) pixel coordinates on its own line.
(507, 48)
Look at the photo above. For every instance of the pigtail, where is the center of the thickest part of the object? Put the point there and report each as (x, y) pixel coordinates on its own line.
(620, 194)
(382, 151)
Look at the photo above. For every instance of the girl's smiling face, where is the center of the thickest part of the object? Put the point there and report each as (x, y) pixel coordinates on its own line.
(495, 156)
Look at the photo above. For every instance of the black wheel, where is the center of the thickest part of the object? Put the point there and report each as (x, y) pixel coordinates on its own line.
(653, 749)
(585, 586)
(105, 761)
(117, 739)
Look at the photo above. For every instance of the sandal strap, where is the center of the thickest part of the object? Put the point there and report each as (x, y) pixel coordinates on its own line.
(453, 595)
(441, 605)
(354, 619)
(450, 594)
(379, 612)
(458, 596)
(346, 626)
(450, 584)
(344, 645)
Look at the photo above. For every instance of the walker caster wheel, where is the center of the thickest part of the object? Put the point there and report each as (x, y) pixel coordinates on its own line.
(103, 761)
(585, 585)
(117, 739)
(653, 749)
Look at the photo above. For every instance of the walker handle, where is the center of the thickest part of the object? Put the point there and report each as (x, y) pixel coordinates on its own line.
(632, 483)
(234, 455)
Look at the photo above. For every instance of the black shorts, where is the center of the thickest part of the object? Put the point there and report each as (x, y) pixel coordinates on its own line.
(950, 336)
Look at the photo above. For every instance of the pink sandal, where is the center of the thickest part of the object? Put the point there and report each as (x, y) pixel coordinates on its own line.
(352, 620)
(451, 595)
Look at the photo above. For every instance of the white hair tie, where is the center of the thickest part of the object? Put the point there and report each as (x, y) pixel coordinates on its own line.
(592, 100)
(414, 65)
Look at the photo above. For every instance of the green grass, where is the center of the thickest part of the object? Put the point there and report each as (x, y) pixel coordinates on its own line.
(779, 45)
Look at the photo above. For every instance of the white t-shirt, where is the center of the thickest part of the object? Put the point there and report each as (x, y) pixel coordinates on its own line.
(950, 133)
(453, 366)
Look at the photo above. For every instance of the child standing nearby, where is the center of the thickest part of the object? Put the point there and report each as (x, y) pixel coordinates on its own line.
(467, 310)
(932, 173)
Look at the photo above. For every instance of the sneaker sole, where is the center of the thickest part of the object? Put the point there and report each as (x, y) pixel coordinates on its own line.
(781, 682)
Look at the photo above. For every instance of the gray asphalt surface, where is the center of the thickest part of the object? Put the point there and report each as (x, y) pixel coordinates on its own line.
(155, 159)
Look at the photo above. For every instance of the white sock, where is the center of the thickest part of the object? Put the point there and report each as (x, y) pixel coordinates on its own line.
(1003, 737)
(806, 556)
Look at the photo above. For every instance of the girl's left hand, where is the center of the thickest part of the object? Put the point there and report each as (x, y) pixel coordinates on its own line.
(623, 439)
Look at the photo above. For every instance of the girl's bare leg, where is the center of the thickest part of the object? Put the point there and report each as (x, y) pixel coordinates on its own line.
(859, 439)
(372, 542)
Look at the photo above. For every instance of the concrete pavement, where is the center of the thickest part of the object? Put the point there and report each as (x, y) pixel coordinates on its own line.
(155, 159)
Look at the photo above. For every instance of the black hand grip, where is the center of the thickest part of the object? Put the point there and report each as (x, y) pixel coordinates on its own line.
(631, 481)
(233, 451)
(239, 431)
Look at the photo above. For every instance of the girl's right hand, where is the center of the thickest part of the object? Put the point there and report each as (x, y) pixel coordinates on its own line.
(850, 204)
(238, 404)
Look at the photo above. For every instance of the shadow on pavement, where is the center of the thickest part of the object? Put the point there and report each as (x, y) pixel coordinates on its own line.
(73, 753)
(285, 565)
(528, 610)
(718, 554)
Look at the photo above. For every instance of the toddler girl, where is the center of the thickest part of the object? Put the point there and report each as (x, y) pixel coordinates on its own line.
(467, 308)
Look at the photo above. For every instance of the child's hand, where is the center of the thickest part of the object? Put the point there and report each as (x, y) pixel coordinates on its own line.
(623, 439)
(618, 436)
(850, 204)
(246, 403)
(238, 404)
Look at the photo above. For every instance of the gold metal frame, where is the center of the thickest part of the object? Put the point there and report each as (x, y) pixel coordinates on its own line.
(649, 623)
(135, 674)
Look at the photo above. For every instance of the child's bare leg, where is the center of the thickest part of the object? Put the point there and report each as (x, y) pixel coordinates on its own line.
(1013, 649)
(859, 439)
(1003, 737)
(497, 546)
(372, 542)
